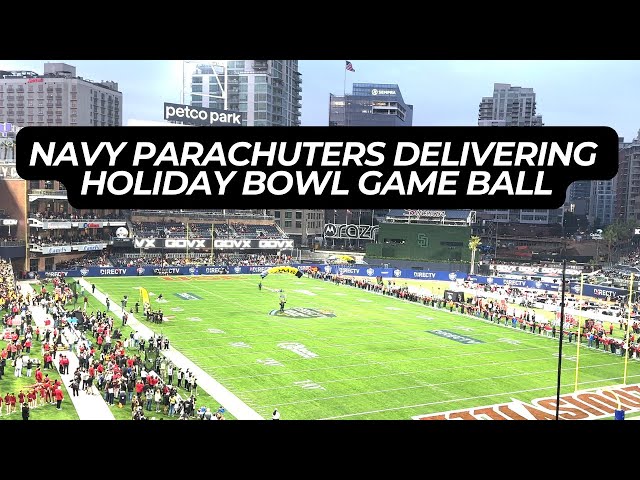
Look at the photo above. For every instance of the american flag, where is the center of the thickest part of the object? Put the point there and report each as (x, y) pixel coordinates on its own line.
(350, 66)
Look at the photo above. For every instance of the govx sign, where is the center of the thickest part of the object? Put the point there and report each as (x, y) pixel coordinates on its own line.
(189, 115)
(231, 243)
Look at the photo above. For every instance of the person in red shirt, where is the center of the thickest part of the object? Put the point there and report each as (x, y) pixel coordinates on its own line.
(21, 397)
(43, 394)
(12, 399)
(38, 375)
(7, 402)
(27, 345)
(59, 397)
(1, 400)
(139, 388)
(38, 333)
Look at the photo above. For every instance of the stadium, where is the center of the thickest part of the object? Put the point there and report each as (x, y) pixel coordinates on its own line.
(396, 315)
(303, 314)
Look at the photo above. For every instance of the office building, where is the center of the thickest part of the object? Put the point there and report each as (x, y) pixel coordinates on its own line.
(602, 205)
(265, 92)
(36, 218)
(58, 97)
(370, 104)
(627, 182)
(301, 225)
(512, 106)
(509, 106)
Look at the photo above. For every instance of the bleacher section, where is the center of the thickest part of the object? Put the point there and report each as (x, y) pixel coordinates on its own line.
(203, 230)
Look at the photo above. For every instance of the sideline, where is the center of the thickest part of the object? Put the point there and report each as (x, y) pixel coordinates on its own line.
(88, 407)
(224, 397)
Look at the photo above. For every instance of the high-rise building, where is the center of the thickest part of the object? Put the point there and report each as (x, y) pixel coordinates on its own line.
(514, 107)
(265, 92)
(509, 107)
(58, 97)
(37, 213)
(370, 104)
(602, 205)
(627, 182)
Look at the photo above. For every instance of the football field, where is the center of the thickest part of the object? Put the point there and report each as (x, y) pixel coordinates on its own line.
(339, 352)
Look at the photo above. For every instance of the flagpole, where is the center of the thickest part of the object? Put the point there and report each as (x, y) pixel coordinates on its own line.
(626, 353)
(344, 95)
(579, 335)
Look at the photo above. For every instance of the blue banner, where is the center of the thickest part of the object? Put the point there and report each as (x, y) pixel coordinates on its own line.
(596, 291)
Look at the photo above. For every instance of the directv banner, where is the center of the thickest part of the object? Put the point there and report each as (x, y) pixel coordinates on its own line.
(599, 291)
(596, 291)
(510, 282)
(205, 243)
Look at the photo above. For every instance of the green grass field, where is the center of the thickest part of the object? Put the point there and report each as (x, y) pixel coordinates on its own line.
(364, 357)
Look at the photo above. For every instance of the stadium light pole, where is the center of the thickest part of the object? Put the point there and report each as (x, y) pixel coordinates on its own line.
(564, 271)
(563, 286)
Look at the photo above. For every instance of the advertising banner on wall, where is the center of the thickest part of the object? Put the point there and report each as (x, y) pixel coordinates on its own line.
(205, 243)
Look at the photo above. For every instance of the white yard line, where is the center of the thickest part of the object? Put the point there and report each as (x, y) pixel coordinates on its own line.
(224, 397)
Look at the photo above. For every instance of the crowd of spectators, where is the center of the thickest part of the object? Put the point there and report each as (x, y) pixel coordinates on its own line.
(51, 215)
(96, 259)
(125, 370)
(20, 335)
(593, 333)
(53, 240)
(181, 259)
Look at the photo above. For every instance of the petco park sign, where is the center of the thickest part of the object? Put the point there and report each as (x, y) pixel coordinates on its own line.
(201, 115)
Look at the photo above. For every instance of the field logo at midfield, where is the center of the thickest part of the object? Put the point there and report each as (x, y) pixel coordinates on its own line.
(299, 349)
(188, 296)
(585, 405)
(455, 337)
(302, 312)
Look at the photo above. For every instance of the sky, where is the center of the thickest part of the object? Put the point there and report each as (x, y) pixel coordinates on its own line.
(443, 92)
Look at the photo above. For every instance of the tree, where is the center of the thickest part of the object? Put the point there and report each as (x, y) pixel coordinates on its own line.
(610, 235)
(474, 242)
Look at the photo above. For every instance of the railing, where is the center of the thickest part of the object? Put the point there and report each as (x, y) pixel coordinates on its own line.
(202, 215)
(47, 192)
(12, 243)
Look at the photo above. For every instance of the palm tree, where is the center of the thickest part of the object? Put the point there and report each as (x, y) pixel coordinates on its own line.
(610, 235)
(474, 241)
